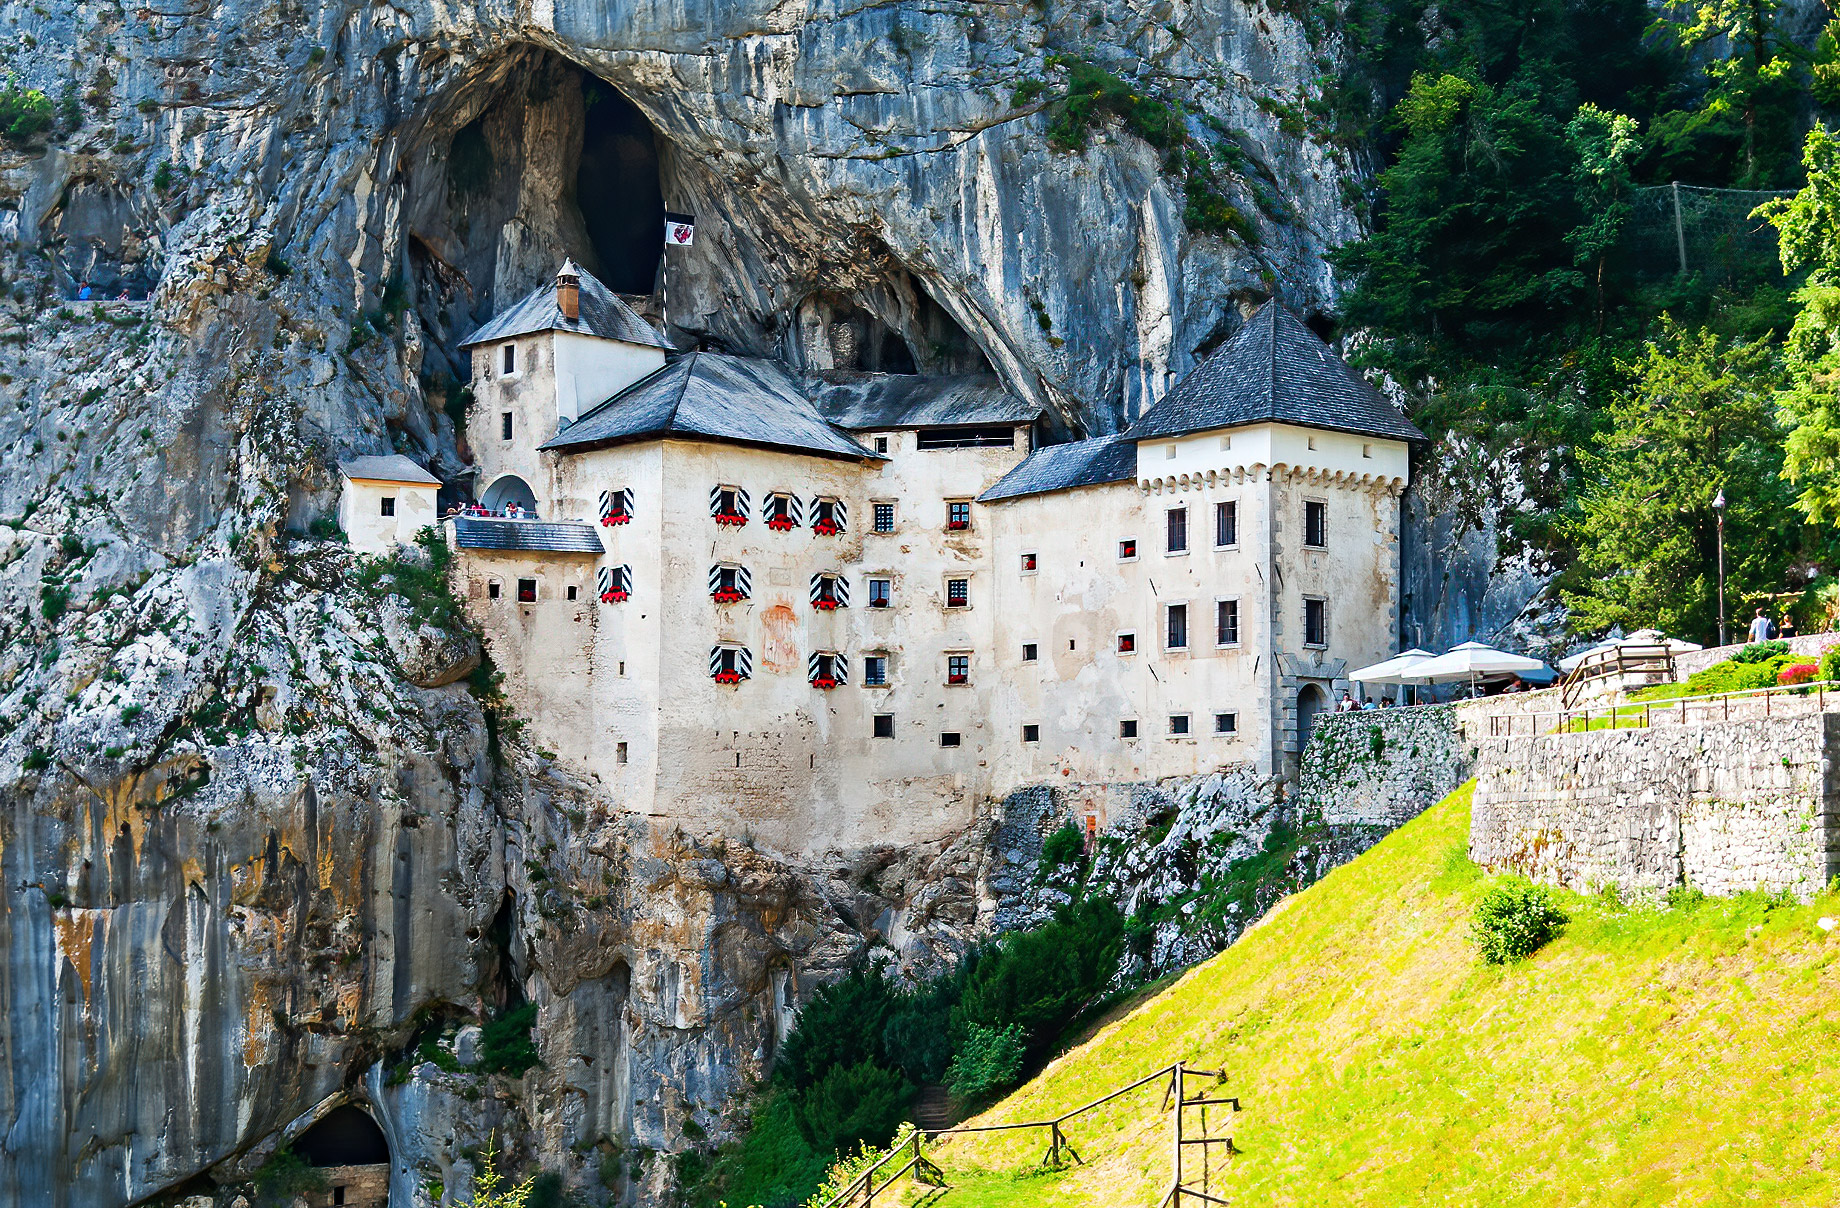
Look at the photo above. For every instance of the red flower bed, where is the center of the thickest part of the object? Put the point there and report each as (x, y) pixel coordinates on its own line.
(728, 677)
(732, 519)
(727, 597)
(824, 604)
(616, 518)
(824, 681)
(1798, 673)
(826, 528)
(616, 596)
(781, 524)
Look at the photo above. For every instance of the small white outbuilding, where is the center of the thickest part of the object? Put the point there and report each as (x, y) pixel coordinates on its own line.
(385, 501)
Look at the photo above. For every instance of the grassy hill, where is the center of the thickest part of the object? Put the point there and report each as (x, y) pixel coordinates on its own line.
(1680, 1056)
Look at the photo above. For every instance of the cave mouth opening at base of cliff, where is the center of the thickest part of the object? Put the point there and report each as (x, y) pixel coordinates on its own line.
(353, 1155)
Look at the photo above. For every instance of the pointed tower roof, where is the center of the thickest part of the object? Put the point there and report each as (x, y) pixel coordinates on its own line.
(1274, 370)
(602, 314)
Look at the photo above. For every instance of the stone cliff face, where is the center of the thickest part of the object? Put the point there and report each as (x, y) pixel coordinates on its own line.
(264, 849)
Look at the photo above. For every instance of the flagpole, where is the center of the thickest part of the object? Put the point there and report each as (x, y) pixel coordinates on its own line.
(678, 232)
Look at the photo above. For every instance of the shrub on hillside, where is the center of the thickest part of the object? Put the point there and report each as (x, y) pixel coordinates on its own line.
(1761, 652)
(1066, 846)
(1798, 673)
(1040, 979)
(1737, 674)
(1830, 663)
(1515, 920)
(989, 1060)
(852, 1102)
(842, 1025)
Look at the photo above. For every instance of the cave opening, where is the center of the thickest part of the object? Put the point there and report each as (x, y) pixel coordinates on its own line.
(345, 1136)
(617, 188)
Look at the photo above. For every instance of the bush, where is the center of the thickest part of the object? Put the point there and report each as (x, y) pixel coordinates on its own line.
(842, 1025)
(1798, 673)
(862, 1102)
(989, 1060)
(1515, 920)
(1830, 663)
(25, 113)
(1065, 846)
(1040, 979)
(1759, 652)
(505, 1045)
(286, 1176)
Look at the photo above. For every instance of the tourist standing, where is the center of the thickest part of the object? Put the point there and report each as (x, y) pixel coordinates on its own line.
(1760, 627)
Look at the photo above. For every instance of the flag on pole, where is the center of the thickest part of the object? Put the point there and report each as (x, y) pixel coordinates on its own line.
(679, 229)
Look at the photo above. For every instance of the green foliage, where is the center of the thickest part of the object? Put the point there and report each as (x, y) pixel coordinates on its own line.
(285, 1176)
(852, 1102)
(1516, 919)
(1040, 979)
(1066, 846)
(989, 1060)
(277, 264)
(848, 1167)
(842, 1025)
(1830, 664)
(1093, 94)
(490, 1188)
(1761, 652)
(53, 600)
(772, 1164)
(25, 113)
(163, 177)
(423, 582)
(505, 1043)
(37, 760)
(326, 528)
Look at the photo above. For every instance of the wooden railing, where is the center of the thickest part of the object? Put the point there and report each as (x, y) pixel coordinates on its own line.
(1788, 700)
(1653, 662)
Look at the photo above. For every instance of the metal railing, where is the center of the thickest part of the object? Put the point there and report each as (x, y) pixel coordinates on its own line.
(1782, 700)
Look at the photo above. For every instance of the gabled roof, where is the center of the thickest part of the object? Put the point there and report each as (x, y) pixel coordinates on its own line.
(602, 314)
(1275, 369)
(542, 536)
(1080, 463)
(884, 401)
(390, 467)
(712, 396)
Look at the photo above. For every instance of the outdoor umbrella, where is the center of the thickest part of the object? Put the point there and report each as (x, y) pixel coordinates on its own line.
(1396, 670)
(1470, 660)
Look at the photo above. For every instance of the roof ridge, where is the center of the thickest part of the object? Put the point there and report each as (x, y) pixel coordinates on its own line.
(677, 404)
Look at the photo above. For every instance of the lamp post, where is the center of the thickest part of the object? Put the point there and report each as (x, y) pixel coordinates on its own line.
(1718, 507)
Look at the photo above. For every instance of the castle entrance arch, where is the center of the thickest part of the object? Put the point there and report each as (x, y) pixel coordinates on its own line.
(1310, 701)
(509, 489)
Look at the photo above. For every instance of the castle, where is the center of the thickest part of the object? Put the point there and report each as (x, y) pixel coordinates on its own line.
(831, 613)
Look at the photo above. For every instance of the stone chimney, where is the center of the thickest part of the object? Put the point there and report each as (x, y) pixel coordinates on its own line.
(568, 291)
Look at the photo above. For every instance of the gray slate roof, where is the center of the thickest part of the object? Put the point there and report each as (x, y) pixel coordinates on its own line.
(1275, 369)
(712, 396)
(602, 314)
(1080, 463)
(861, 402)
(537, 536)
(391, 467)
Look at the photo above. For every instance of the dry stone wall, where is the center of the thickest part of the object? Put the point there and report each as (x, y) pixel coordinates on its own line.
(1725, 808)
(1383, 767)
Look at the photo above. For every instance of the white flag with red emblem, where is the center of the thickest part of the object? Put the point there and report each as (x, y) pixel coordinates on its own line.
(679, 229)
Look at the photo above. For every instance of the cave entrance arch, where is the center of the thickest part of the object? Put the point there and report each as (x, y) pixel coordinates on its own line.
(354, 1155)
(507, 490)
(1310, 702)
(617, 188)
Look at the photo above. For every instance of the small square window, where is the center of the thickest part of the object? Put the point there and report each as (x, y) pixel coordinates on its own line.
(1127, 549)
(881, 591)
(572, 590)
(1169, 453)
(875, 671)
(1176, 631)
(1312, 442)
(884, 517)
(619, 752)
(504, 426)
(1226, 442)
(1178, 725)
(1226, 522)
(1127, 728)
(1127, 643)
(1031, 732)
(1030, 652)
(1178, 530)
(492, 590)
(958, 593)
(883, 726)
(511, 358)
(1226, 723)
(950, 738)
(958, 515)
(389, 505)
(1028, 563)
(958, 669)
(1316, 622)
(881, 444)
(527, 591)
(1367, 450)
(1315, 523)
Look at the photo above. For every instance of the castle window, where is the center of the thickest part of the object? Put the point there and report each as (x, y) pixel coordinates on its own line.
(1226, 723)
(1316, 523)
(1127, 643)
(338, 1195)
(1226, 622)
(510, 358)
(573, 591)
(1315, 622)
(958, 593)
(493, 589)
(881, 444)
(527, 591)
(730, 664)
(1127, 728)
(1367, 450)
(1226, 522)
(729, 584)
(615, 586)
(1031, 732)
(1029, 563)
(883, 726)
(826, 669)
(829, 592)
(980, 436)
(881, 593)
(1127, 550)
(958, 515)
(875, 671)
(387, 505)
(504, 426)
(1175, 630)
(1178, 725)
(616, 506)
(958, 669)
(1030, 652)
(828, 516)
(951, 738)
(619, 752)
(729, 505)
(1177, 530)
(884, 517)
(784, 512)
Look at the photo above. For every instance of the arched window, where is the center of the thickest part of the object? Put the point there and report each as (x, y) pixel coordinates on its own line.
(729, 583)
(829, 591)
(616, 506)
(507, 491)
(784, 512)
(827, 669)
(729, 505)
(829, 516)
(730, 664)
(615, 583)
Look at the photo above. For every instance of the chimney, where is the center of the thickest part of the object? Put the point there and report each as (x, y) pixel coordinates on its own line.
(568, 291)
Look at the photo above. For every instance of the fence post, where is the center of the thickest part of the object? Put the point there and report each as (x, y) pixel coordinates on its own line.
(1680, 230)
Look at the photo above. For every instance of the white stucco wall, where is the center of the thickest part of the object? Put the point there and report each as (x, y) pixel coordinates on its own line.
(361, 513)
(588, 371)
(1262, 446)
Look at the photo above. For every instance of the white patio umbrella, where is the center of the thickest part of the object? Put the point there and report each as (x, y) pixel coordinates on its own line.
(1396, 670)
(1472, 660)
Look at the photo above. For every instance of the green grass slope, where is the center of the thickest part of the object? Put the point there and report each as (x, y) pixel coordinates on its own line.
(1647, 1057)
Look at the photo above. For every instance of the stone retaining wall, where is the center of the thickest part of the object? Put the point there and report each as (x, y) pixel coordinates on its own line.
(1383, 767)
(1723, 808)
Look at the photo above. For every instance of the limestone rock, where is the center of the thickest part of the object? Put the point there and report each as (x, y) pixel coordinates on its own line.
(429, 657)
